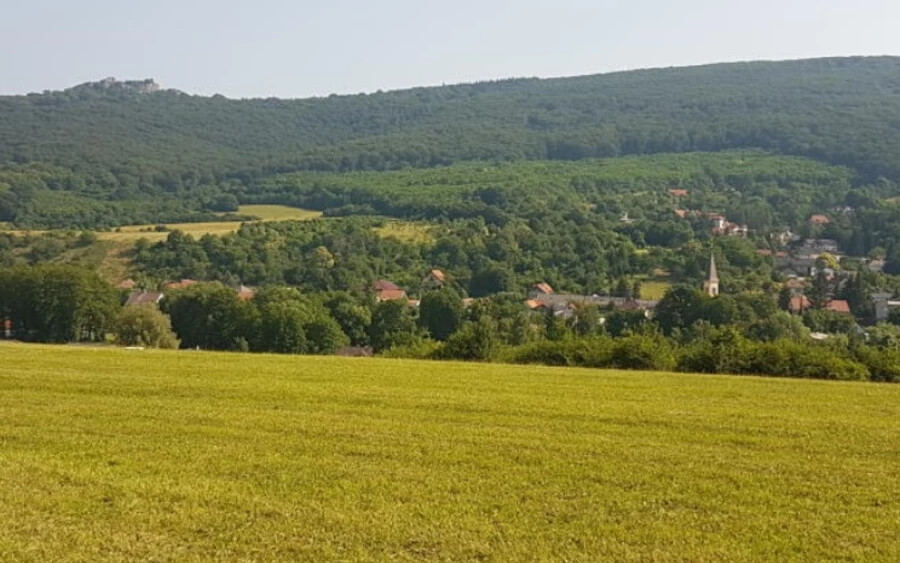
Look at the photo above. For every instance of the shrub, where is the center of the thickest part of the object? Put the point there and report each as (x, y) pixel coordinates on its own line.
(144, 326)
(643, 352)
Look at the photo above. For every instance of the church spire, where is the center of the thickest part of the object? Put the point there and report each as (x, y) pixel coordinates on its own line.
(713, 273)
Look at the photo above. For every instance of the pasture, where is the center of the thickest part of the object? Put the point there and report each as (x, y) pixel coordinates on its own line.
(110, 454)
(132, 233)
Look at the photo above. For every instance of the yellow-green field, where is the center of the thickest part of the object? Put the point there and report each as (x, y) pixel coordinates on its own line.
(654, 289)
(264, 212)
(410, 232)
(120, 455)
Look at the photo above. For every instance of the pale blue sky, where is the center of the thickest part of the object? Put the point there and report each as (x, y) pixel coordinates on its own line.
(298, 48)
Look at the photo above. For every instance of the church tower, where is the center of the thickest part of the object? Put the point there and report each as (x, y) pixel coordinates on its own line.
(711, 286)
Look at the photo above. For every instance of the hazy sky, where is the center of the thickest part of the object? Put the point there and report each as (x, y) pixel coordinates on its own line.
(301, 48)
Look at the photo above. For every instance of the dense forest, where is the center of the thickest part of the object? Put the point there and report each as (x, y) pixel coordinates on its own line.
(110, 152)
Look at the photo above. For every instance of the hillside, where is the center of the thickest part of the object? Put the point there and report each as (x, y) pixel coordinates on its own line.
(118, 142)
(196, 456)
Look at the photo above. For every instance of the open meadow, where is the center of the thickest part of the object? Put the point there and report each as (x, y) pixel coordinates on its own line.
(216, 228)
(112, 454)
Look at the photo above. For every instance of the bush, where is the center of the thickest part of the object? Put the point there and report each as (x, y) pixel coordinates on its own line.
(424, 349)
(144, 326)
(583, 352)
(643, 352)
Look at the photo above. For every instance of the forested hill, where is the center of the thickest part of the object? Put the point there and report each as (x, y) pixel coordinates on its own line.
(841, 110)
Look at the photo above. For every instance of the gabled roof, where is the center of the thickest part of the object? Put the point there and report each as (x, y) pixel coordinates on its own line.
(390, 295)
(127, 284)
(245, 293)
(543, 288)
(382, 285)
(437, 275)
(819, 219)
(838, 306)
(678, 192)
(144, 298)
(799, 304)
(180, 284)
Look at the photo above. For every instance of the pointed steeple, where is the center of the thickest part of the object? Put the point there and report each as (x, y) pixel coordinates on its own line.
(711, 286)
(713, 273)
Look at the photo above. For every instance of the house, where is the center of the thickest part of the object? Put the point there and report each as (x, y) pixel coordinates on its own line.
(382, 285)
(434, 280)
(245, 293)
(675, 192)
(718, 220)
(875, 265)
(798, 304)
(815, 247)
(795, 285)
(838, 306)
(7, 328)
(540, 289)
(183, 284)
(681, 213)
(819, 219)
(127, 284)
(764, 252)
(387, 291)
(138, 298)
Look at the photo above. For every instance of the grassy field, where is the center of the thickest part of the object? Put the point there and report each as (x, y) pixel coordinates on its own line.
(264, 212)
(654, 289)
(175, 456)
(409, 232)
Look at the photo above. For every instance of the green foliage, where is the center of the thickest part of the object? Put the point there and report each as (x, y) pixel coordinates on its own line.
(144, 326)
(475, 340)
(393, 325)
(441, 313)
(211, 317)
(57, 303)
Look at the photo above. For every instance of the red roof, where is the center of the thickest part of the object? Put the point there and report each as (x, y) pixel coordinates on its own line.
(438, 275)
(245, 293)
(678, 192)
(127, 284)
(764, 252)
(819, 219)
(381, 285)
(838, 306)
(180, 284)
(543, 288)
(390, 295)
(794, 283)
(799, 304)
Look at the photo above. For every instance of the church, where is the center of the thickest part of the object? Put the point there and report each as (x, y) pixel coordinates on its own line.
(711, 285)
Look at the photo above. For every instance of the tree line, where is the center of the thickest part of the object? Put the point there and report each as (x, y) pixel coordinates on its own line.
(689, 332)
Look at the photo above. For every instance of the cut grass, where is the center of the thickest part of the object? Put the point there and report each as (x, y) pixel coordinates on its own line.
(136, 455)
(409, 232)
(279, 212)
(264, 212)
(654, 289)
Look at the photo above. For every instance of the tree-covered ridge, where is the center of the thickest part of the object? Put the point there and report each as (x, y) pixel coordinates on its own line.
(842, 110)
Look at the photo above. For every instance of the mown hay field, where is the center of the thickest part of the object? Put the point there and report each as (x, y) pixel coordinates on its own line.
(216, 228)
(110, 454)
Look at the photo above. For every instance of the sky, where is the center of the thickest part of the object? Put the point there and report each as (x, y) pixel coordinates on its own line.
(300, 48)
